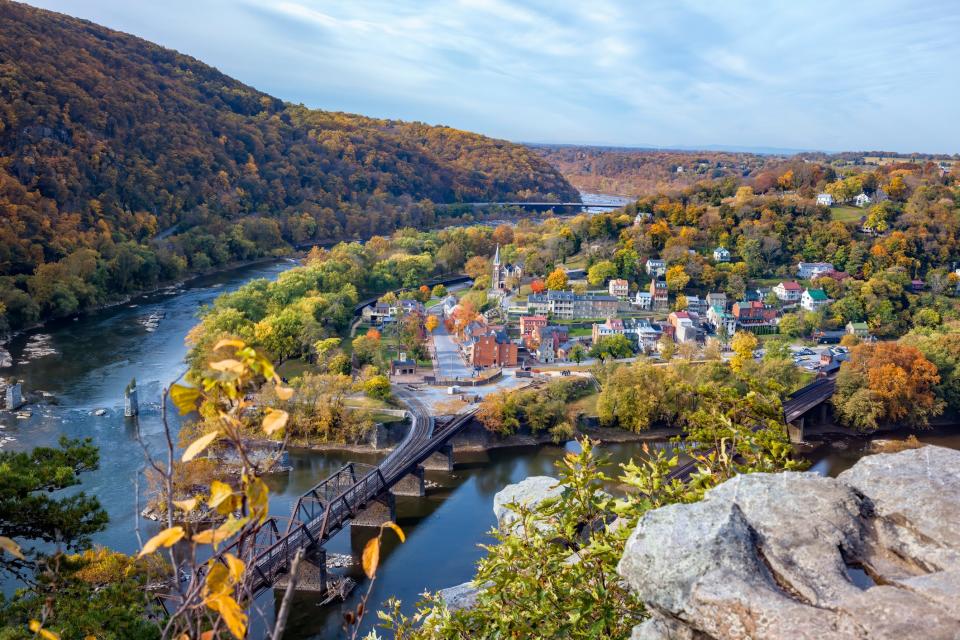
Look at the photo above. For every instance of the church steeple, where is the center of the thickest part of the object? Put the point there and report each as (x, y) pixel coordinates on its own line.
(496, 257)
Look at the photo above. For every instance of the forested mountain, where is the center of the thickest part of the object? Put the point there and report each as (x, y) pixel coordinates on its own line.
(124, 164)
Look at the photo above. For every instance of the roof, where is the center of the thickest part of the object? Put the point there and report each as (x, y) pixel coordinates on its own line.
(656, 261)
(859, 325)
(791, 285)
(818, 294)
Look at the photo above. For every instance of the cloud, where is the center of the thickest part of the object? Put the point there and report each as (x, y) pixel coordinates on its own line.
(814, 74)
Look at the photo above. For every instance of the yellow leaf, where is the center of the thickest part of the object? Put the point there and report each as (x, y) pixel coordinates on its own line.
(371, 557)
(228, 365)
(274, 421)
(216, 581)
(184, 398)
(258, 498)
(396, 529)
(231, 613)
(198, 445)
(219, 491)
(36, 627)
(186, 505)
(95, 638)
(227, 342)
(166, 538)
(284, 393)
(210, 536)
(236, 567)
(10, 547)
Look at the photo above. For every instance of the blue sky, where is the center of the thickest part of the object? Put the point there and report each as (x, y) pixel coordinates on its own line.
(839, 75)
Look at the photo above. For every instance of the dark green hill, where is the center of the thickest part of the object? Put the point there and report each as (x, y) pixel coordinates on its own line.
(124, 164)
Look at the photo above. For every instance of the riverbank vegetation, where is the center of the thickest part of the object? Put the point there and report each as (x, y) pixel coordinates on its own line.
(128, 165)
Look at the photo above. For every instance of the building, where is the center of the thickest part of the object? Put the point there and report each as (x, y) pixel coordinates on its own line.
(554, 335)
(697, 305)
(717, 299)
(916, 286)
(619, 287)
(755, 316)
(546, 354)
(491, 348)
(639, 330)
(404, 367)
(807, 270)
(658, 295)
(656, 268)
(788, 291)
(862, 200)
(825, 199)
(721, 254)
(720, 318)
(641, 217)
(858, 329)
(529, 324)
(644, 301)
(568, 305)
(449, 304)
(564, 352)
(814, 299)
(376, 313)
(504, 274)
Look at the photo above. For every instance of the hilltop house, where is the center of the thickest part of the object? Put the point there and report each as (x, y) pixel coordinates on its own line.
(788, 291)
(717, 299)
(814, 299)
(808, 270)
(640, 218)
(721, 254)
(658, 295)
(825, 199)
(697, 305)
(858, 329)
(862, 200)
(755, 316)
(719, 318)
(619, 288)
(644, 300)
(656, 268)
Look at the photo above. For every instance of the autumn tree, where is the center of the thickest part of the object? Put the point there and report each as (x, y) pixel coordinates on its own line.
(601, 272)
(538, 286)
(439, 291)
(477, 266)
(431, 323)
(743, 345)
(677, 278)
(887, 382)
(557, 280)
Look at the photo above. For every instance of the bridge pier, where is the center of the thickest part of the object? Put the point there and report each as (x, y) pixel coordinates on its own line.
(823, 413)
(311, 574)
(442, 460)
(795, 430)
(381, 509)
(412, 484)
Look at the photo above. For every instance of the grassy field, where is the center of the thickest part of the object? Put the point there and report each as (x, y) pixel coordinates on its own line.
(846, 213)
(586, 405)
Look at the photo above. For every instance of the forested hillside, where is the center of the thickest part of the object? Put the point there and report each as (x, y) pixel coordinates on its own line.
(124, 164)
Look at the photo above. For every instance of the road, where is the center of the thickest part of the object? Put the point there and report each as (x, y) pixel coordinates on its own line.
(449, 362)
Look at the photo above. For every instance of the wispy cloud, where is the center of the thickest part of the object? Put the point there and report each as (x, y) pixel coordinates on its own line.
(807, 75)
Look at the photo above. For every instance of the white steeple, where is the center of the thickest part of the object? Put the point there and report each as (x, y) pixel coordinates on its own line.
(496, 256)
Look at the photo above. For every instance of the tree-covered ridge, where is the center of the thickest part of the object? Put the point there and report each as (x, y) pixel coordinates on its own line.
(162, 166)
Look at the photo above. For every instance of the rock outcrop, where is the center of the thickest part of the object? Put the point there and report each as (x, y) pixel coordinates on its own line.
(529, 492)
(874, 553)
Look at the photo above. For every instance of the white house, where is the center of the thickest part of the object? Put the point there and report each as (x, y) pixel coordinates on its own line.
(862, 200)
(656, 268)
(720, 318)
(721, 254)
(640, 218)
(696, 304)
(789, 291)
(813, 269)
(825, 199)
(643, 300)
(619, 287)
(814, 299)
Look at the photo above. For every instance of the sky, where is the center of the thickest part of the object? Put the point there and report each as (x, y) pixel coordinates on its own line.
(828, 75)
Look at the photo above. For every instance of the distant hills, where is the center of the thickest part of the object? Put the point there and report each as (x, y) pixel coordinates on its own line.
(124, 164)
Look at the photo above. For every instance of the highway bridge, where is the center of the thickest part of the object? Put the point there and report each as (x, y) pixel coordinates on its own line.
(353, 494)
(541, 206)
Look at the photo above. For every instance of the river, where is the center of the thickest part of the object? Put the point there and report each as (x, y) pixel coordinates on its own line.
(89, 361)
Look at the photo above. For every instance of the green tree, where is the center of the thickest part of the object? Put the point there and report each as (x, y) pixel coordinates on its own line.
(601, 272)
(612, 348)
(377, 387)
(743, 345)
(439, 291)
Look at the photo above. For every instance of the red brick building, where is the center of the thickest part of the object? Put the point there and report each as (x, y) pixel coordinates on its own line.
(491, 349)
(529, 326)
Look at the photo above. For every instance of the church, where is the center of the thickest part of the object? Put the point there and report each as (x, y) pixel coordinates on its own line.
(504, 274)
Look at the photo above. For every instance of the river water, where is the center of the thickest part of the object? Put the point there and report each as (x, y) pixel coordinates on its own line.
(87, 363)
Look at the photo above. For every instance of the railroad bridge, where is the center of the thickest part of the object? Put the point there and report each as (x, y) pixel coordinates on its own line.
(356, 495)
(808, 404)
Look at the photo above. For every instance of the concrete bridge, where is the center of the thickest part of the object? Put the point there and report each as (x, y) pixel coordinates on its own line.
(540, 206)
(356, 495)
(809, 404)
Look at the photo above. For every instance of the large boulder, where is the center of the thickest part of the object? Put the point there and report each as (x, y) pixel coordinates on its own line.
(530, 492)
(789, 555)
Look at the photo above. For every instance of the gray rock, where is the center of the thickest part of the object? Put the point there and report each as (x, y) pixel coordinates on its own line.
(462, 596)
(767, 556)
(530, 492)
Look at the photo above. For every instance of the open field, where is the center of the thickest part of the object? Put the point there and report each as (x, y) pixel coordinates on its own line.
(846, 213)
